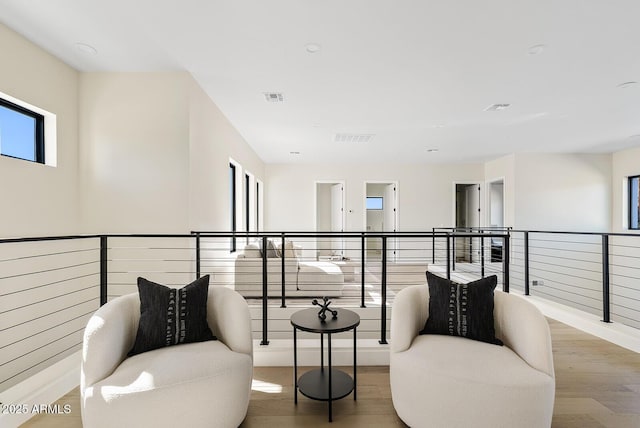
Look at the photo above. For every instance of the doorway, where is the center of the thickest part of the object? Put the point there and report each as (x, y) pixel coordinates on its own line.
(467, 216)
(496, 216)
(330, 218)
(381, 215)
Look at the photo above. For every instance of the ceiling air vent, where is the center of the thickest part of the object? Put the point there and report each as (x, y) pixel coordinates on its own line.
(353, 138)
(274, 97)
(497, 107)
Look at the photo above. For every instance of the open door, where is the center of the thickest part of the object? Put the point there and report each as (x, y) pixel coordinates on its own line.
(467, 216)
(496, 216)
(329, 218)
(381, 215)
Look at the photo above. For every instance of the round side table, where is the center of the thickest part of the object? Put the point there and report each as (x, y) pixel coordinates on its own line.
(320, 384)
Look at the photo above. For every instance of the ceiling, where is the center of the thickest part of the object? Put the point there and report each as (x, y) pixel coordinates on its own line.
(417, 75)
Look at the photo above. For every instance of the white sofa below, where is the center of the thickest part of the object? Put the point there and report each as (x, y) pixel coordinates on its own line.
(308, 278)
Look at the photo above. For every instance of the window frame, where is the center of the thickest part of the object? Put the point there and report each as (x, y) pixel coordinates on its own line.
(247, 201)
(234, 205)
(381, 198)
(38, 138)
(630, 202)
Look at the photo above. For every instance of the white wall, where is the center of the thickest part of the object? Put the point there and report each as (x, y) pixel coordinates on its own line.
(213, 140)
(155, 155)
(39, 199)
(425, 196)
(134, 168)
(496, 204)
(625, 163)
(503, 168)
(563, 192)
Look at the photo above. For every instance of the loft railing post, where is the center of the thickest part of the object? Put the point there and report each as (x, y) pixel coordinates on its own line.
(453, 250)
(433, 245)
(362, 255)
(103, 270)
(283, 304)
(198, 266)
(505, 264)
(383, 306)
(448, 255)
(482, 253)
(526, 264)
(265, 301)
(606, 308)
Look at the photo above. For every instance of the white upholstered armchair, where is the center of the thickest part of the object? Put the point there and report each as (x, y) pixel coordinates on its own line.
(205, 384)
(447, 381)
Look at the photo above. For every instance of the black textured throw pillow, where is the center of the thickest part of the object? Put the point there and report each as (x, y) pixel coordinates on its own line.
(461, 309)
(171, 316)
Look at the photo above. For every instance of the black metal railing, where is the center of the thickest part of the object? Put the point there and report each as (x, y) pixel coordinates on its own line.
(49, 286)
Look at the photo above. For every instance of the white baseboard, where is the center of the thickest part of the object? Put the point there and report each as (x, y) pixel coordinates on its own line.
(43, 388)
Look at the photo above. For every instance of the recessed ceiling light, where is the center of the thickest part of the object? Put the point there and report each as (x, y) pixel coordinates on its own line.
(86, 49)
(536, 49)
(627, 84)
(312, 47)
(432, 150)
(497, 107)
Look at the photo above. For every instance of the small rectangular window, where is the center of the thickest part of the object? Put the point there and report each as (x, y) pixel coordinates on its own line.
(21, 132)
(374, 202)
(634, 202)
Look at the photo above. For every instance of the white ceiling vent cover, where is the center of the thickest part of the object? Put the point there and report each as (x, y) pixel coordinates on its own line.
(274, 97)
(353, 138)
(497, 107)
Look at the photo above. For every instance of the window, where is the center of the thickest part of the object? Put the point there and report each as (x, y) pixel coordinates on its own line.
(634, 202)
(247, 201)
(21, 132)
(257, 205)
(374, 202)
(232, 200)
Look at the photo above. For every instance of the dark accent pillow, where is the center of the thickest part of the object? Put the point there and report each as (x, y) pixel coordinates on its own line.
(171, 316)
(462, 309)
(272, 252)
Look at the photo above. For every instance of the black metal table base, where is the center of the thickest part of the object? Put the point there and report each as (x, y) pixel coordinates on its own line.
(324, 384)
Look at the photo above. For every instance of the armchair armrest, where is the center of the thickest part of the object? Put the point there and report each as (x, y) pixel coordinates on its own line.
(524, 329)
(229, 318)
(408, 315)
(108, 338)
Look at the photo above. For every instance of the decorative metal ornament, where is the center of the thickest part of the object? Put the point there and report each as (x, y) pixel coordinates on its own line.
(324, 307)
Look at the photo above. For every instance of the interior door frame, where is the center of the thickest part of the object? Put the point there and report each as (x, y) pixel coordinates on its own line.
(481, 206)
(315, 206)
(488, 201)
(396, 205)
(481, 202)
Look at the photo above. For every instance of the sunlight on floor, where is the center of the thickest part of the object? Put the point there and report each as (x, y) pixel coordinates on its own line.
(266, 387)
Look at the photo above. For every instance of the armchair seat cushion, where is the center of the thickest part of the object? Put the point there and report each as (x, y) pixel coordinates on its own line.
(187, 378)
(151, 372)
(489, 368)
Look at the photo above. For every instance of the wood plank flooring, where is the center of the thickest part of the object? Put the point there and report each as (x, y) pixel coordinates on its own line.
(597, 385)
